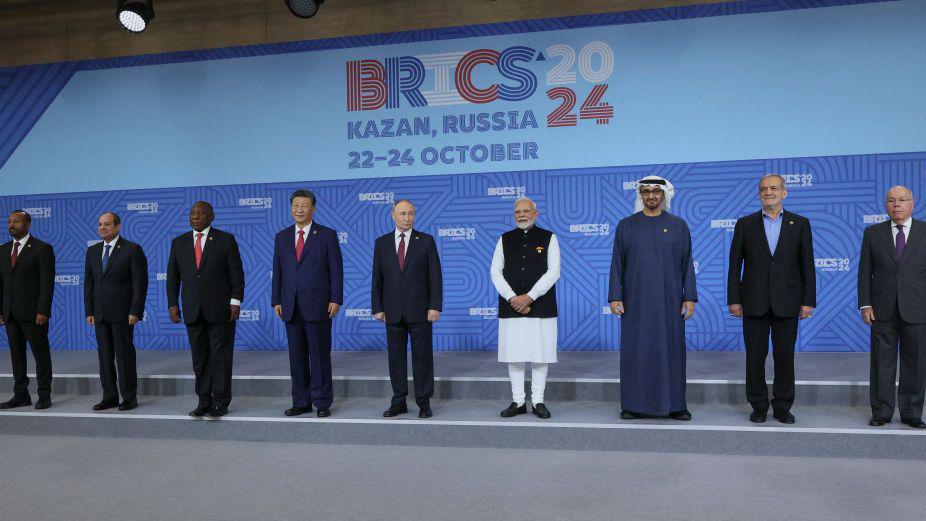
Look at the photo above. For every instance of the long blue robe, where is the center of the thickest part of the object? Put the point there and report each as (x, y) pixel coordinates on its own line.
(652, 273)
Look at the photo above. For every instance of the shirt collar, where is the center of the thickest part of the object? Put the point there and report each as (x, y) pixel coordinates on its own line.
(24, 240)
(407, 234)
(205, 232)
(112, 242)
(780, 213)
(906, 224)
(306, 228)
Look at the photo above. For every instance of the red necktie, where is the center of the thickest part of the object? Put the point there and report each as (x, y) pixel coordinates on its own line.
(15, 254)
(198, 249)
(401, 252)
(300, 244)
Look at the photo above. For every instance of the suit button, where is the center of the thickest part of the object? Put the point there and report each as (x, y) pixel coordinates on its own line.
(522, 269)
(524, 246)
(523, 256)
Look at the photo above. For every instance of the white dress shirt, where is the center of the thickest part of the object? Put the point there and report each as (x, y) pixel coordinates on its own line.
(906, 230)
(112, 247)
(22, 244)
(408, 235)
(305, 235)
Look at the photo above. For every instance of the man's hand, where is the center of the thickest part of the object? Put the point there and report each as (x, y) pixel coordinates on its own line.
(617, 307)
(433, 315)
(521, 304)
(333, 309)
(174, 315)
(90, 320)
(688, 309)
(868, 315)
(235, 311)
(806, 312)
(41, 319)
(381, 316)
(736, 310)
(278, 309)
(133, 319)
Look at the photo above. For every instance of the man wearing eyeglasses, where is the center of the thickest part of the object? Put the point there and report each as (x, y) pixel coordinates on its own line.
(771, 284)
(892, 300)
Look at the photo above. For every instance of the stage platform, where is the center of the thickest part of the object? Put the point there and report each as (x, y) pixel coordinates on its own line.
(471, 388)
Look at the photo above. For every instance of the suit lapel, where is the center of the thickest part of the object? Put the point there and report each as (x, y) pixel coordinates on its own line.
(22, 253)
(309, 242)
(409, 249)
(887, 237)
(209, 244)
(112, 254)
(912, 242)
(786, 232)
(760, 232)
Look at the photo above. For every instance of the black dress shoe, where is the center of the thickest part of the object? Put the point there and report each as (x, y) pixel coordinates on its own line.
(425, 412)
(877, 422)
(758, 416)
(43, 403)
(296, 411)
(630, 415)
(323, 412)
(395, 410)
(916, 423)
(683, 415)
(102, 406)
(128, 405)
(784, 417)
(200, 411)
(16, 402)
(218, 411)
(540, 410)
(514, 409)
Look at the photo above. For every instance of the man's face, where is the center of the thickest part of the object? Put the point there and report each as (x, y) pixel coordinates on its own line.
(652, 196)
(302, 210)
(106, 228)
(772, 192)
(524, 215)
(201, 216)
(404, 216)
(17, 225)
(899, 203)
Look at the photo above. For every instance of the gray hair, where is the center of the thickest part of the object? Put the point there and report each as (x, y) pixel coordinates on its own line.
(781, 180)
(302, 192)
(400, 201)
(528, 200)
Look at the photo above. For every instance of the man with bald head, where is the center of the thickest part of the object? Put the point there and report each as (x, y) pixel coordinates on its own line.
(407, 294)
(205, 287)
(892, 300)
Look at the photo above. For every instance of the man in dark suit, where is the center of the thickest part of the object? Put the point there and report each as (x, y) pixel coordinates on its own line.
(204, 270)
(115, 286)
(27, 284)
(892, 300)
(308, 284)
(407, 295)
(774, 250)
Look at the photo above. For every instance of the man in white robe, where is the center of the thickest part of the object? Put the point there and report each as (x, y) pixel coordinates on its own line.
(525, 268)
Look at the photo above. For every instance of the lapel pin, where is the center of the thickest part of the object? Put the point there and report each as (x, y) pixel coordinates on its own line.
(314, 232)
(665, 230)
(417, 237)
(791, 223)
(210, 238)
(28, 246)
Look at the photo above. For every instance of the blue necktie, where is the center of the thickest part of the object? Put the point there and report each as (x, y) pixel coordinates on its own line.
(106, 248)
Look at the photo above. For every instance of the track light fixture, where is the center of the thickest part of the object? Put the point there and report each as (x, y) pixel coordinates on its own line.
(134, 16)
(304, 8)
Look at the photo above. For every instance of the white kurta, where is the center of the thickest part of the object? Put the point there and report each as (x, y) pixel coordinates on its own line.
(526, 339)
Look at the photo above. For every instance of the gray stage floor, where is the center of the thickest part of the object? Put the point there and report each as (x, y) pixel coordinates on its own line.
(851, 367)
(57, 478)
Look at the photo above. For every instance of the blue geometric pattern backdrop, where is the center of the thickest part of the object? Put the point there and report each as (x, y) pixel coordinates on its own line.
(466, 214)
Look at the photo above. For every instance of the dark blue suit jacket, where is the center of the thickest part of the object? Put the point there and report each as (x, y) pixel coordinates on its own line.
(406, 294)
(312, 282)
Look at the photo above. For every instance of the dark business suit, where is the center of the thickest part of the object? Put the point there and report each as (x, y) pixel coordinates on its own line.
(112, 293)
(27, 290)
(896, 289)
(304, 287)
(204, 297)
(771, 291)
(406, 296)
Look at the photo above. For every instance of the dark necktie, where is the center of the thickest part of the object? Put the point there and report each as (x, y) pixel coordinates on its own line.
(106, 248)
(901, 241)
(15, 255)
(300, 244)
(401, 252)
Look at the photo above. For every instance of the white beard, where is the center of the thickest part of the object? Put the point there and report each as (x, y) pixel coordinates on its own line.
(525, 226)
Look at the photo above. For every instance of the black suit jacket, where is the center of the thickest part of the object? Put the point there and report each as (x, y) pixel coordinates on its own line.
(884, 280)
(28, 288)
(406, 294)
(205, 291)
(782, 282)
(111, 295)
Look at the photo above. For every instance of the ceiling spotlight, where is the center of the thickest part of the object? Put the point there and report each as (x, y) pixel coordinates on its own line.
(304, 8)
(134, 16)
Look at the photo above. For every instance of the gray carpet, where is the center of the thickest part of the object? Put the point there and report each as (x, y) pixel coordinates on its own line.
(58, 478)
